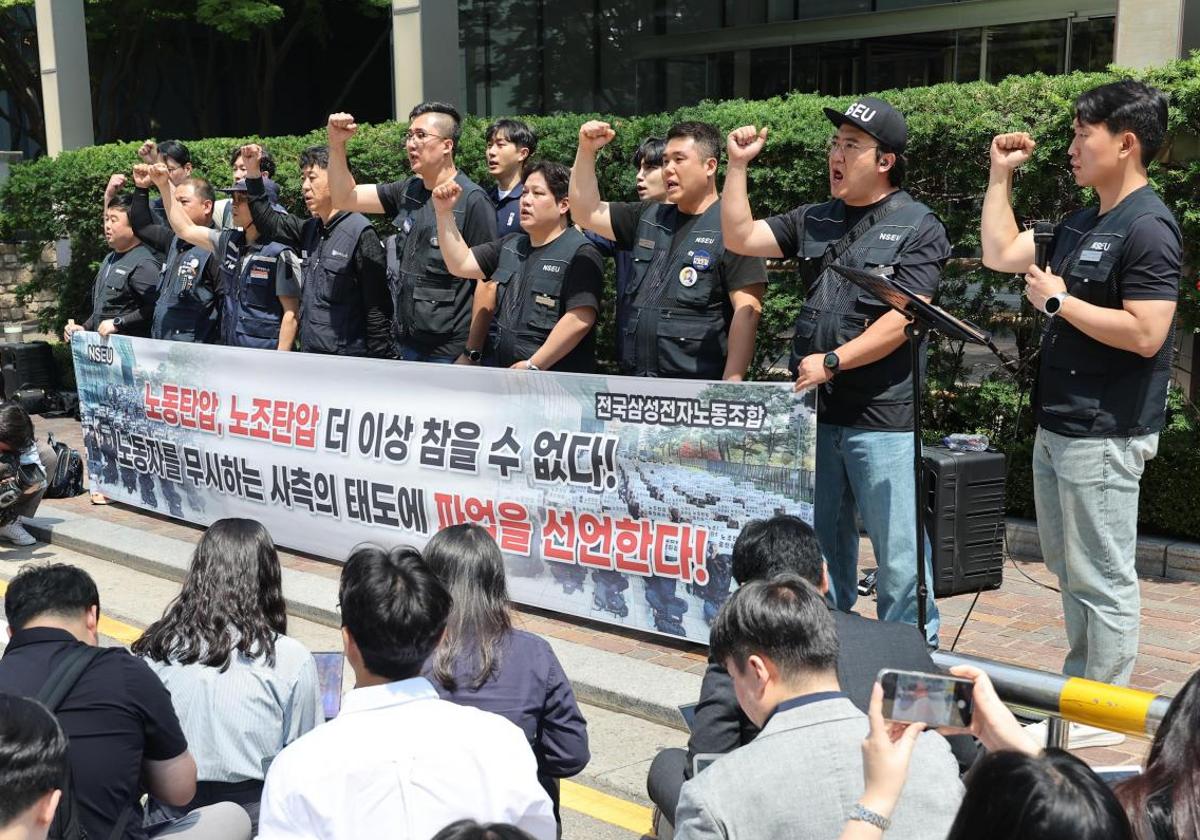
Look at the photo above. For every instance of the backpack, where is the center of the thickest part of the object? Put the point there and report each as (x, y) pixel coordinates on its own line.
(58, 685)
(67, 480)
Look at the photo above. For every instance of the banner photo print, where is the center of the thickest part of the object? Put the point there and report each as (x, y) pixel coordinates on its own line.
(613, 498)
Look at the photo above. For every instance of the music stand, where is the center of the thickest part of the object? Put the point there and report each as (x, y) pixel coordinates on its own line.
(922, 317)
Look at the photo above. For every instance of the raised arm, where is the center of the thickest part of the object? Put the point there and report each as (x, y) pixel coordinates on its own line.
(460, 262)
(347, 195)
(116, 183)
(742, 234)
(1005, 246)
(184, 227)
(272, 225)
(587, 208)
(157, 236)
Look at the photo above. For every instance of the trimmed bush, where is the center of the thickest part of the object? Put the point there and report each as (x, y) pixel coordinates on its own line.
(950, 129)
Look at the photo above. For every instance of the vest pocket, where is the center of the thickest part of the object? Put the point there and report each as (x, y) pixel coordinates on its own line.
(1074, 380)
(1089, 282)
(433, 310)
(692, 348)
(545, 294)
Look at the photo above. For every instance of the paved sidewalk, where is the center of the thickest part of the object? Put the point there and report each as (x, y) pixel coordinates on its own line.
(1021, 623)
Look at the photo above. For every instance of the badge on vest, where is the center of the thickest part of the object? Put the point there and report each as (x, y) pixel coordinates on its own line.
(260, 272)
(1090, 256)
(702, 260)
(433, 242)
(645, 243)
(688, 276)
(407, 226)
(188, 268)
(545, 300)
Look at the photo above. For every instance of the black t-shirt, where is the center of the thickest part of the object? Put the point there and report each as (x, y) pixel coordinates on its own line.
(116, 716)
(738, 271)
(1150, 262)
(583, 285)
(478, 224)
(918, 268)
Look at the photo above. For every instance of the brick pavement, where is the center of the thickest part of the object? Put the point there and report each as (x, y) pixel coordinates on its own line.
(1021, 623)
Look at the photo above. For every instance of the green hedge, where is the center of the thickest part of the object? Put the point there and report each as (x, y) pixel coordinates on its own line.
(950, 128)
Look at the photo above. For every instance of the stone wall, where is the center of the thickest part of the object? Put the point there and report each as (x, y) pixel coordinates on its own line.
(13, 273)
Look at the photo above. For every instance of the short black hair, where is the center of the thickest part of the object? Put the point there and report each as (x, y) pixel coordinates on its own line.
(515, 132)
(650, 152)
(51, 589)
(33, 755)
(266, 162)
(705, 135)
(1127, 105)
(471, 830)
(784, 619)
(202, 188)
(121, 201)
(558, 177)
(767, 547)
(899, 167)
(440, 108)
(394, 607)
(315, 156)
(16, 426)
(174, 150)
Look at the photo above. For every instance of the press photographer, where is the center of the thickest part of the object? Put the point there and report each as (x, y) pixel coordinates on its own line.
(24, 465)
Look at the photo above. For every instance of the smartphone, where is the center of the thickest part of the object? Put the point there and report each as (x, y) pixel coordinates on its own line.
(329, 674)
(933, 699)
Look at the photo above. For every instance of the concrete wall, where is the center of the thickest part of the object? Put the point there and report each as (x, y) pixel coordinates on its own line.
(1149, 32)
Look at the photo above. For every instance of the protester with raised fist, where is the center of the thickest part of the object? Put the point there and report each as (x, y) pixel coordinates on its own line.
(431, 307)
(852, 347)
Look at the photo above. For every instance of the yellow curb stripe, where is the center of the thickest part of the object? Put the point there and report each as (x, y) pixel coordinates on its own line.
(574, 796)
(601, 806)
(124, 633)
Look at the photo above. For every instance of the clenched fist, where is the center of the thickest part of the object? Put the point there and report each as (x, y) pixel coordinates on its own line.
(594, 135)
(341, 127)
(1010, 151)
(744, 144)
(148, 152)
(251, 155)
(141, 176)
(445, 196)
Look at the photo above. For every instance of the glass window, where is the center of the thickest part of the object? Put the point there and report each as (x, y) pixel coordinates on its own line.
(668, 83)
(927, 58)
(770, 72)
(810, 9)
(694, 15)
(1092, 43)
(1025, 48)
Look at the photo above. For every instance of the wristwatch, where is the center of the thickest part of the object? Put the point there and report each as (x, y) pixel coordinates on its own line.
(473, 355)
(858, 812)
(831, 362)
(118, 322)
(1054, 303)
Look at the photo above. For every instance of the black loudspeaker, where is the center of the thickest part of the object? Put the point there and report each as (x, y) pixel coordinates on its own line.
(29, 365)
(963, 493)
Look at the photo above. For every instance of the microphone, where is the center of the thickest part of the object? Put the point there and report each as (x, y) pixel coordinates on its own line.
(1043, 233)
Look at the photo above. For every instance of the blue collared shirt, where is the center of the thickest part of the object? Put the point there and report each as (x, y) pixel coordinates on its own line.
(805, 700)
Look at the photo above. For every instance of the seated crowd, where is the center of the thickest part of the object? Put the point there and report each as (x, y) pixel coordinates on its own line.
(460, 726)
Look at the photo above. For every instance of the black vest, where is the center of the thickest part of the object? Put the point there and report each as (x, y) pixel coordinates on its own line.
(432, 307)
(186, 309)
(529, 299)
(112, 295)
(333, 318)
(836, 311)
(252, 314)
(1086, 388)
(680, 310)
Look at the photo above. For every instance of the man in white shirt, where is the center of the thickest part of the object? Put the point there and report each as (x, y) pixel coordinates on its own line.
(399, 762)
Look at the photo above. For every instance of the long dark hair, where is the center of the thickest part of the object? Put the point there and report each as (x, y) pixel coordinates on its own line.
(468, 562)
(232, 599)
(1167, 795)
(1053, 796)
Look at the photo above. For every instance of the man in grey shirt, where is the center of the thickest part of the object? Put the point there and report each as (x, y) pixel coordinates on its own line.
(802, 776)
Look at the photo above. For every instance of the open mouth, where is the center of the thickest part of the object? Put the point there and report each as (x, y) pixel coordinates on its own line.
(493, 164)
(672, 185)
(837, 176)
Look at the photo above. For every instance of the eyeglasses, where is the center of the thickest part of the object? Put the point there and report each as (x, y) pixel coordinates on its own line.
(420, 135)
(848, 148)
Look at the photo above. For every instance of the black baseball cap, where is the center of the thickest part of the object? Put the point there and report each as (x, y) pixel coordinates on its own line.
(875, 117)
(272, 190)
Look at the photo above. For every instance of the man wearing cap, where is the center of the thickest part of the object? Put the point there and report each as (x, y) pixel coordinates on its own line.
(259, 280)
(223, 209)
(851, 346)
(694, 303)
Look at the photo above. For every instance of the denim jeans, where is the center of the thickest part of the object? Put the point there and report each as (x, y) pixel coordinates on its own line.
(410, 354)
(872, 472)
(1085, 491)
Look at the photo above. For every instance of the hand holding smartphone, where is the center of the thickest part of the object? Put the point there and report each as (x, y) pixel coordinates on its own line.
(937, 700)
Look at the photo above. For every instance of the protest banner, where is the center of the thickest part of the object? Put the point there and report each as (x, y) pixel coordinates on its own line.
(613, 498)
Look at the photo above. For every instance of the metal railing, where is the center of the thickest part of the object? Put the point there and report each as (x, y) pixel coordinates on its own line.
(1068, 699)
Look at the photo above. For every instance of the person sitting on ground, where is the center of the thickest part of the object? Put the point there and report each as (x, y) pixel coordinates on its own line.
(398, 761)
(123, 735)
(1015, 792)
(765, 548)
(30, 461)
(802, 774)
(1163, 803)
(471, 830)
(242, 688)
(33, 765)
(483, 662)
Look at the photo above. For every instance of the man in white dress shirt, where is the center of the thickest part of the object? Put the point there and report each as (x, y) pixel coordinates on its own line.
(398, 762)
